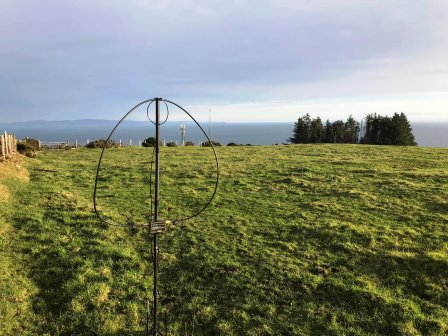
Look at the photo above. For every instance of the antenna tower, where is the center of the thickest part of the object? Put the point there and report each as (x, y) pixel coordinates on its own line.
(182, 134)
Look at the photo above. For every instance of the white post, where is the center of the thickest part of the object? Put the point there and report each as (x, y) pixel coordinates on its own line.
(2, 144)
(182, 134)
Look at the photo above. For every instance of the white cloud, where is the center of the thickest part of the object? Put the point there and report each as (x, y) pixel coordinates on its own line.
(418, 107)
(64, 59)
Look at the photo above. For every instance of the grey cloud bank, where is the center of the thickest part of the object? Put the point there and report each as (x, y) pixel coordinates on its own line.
(84, 59)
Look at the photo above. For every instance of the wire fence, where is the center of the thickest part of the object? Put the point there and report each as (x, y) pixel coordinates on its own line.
(8, 145)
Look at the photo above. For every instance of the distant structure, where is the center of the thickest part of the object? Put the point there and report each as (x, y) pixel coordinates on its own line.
(182, 134)
(210, 123)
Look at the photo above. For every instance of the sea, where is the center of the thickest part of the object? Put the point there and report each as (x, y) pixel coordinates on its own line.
(133, 132)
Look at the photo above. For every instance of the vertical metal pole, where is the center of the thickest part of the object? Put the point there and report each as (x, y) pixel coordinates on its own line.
(156, 209)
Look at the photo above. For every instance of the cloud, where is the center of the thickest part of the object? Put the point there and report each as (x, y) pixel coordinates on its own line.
(429, 106)
(66, 59)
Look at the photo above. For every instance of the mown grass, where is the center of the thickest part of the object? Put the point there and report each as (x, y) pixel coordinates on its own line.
(301, 240)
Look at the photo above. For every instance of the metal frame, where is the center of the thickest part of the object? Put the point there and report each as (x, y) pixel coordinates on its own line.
(155, 225)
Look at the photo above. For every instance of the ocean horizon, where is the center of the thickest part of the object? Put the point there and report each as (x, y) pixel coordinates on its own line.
(133, 132)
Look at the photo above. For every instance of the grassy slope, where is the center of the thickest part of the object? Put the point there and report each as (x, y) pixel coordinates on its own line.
(16, 288)
(301, 240)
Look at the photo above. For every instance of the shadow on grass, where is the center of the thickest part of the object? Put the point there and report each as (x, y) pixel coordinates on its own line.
(81, 273)
(334, 289)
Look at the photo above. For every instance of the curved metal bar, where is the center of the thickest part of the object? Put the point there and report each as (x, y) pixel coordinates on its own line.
(99, 165)
(150, 101)
(147, 111)
(216, 160)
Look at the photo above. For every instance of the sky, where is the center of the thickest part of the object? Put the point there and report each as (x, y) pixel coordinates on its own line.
(264, 60)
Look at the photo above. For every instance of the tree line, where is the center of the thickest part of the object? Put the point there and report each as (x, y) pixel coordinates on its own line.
(374, 129)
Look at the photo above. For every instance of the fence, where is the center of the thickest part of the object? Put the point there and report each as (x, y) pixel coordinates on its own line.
(8, 145)
(53, 144)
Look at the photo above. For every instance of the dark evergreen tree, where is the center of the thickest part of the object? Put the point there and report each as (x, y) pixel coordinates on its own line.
(386, 131)
(329, 137)
(302, 130)
(402, 135)
(377, 130)
(381, 130)
(374, 129)
(351, 130)
(338, 131)
(368, 124)
(317, 131)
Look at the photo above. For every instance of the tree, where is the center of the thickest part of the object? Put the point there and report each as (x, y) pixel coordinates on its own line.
(338, 131)
(317, 131)
(388, 131)
(368, 130)
(351, 130)
(329, 136)
(377, 130)
(149, 142)
(302, 130)
(402, 131)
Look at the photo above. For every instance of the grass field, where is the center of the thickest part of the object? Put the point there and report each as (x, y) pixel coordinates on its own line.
(300, 240)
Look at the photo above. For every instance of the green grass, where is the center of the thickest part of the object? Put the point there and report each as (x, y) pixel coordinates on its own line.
(301, 240)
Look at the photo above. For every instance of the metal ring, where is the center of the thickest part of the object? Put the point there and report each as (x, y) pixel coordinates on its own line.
(167, 114)
(150, 101)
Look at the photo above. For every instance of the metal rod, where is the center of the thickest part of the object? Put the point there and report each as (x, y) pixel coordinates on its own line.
(156, 213)
(147, 318)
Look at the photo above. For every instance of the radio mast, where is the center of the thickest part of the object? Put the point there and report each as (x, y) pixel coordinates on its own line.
(182, 134)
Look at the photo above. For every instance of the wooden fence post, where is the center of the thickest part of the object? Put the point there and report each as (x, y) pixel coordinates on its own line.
(8, 145)
(12, 144)
(2, 142)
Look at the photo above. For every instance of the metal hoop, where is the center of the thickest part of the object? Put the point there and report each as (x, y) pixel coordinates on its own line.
(149, 118)
(150, 101)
